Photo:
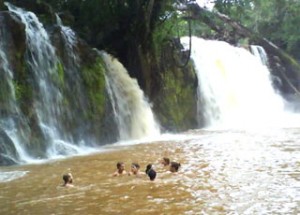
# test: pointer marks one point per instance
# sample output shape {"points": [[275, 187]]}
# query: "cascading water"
{"points": [[259, 52], [56, 83], [235, 89], [72, 64], [48, 100], [72, 79], [132, 112], [10, 115]]}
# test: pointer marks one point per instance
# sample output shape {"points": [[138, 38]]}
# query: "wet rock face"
{"points": [[15, 38], [41, 9], [175, 103], [8, 154], [2, 6], [13, 44]]}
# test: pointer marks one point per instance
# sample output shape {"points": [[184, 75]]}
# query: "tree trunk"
{"points": [[148, 14]]}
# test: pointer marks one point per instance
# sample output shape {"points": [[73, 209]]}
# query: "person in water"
{"points": [[120, 169], [174, 167], [135, 170], [150, 172], [165, 162], [68, 180]]}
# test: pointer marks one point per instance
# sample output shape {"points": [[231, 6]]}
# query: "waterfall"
{"points": [[72, 79], [10, 116], [72, 65], [48, 99], [132, 112], [56, 125], [235, 88], [260, 52]]}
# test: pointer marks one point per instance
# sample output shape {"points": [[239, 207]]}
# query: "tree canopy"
{"points": [[275, 20]]}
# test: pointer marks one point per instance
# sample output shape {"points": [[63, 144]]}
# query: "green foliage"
{"points": [[202, 30], [115, 25], [60, 73], [165, 30], [234, 8], [173, 25], [276, 20], [18, 90], [23, 92]]}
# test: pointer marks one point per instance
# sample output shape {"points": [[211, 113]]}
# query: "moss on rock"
{"points": [[94, 82], [176, 100]]}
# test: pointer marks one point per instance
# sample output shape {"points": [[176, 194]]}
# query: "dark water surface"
{"points": [[223, 172]]}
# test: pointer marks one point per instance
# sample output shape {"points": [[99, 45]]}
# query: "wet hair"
{"points": [[148, 167], [175, 165], [136, 165], [150, 172], [66, 178], [119, 164], [166, 160]]}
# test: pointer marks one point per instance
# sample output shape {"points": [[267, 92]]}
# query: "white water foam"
{"points": [[235, 88], [12, 175], [133, 113]]}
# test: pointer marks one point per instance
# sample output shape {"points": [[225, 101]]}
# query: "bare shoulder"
{"points": [[67, 185]]}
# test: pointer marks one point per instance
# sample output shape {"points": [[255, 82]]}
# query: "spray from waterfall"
{"points": [[235, 88], [132, 112]]}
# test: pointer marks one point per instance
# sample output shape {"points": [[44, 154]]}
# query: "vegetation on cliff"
{"points": [[138, 32]]}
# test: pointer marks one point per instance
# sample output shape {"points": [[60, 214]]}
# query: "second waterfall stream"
{"points": [[133, 113]]}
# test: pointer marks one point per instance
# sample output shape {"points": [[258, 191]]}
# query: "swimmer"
{"points": [[135, 170], [120, 169], [165, 162], [150, 172], [174, 166], [68, 180]]}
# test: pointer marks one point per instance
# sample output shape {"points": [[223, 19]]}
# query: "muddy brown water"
{"points": [[223, 172]]}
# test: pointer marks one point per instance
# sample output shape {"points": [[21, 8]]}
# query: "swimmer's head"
{"points": [[135, 167], [174, 166], [148, 167], [165, 161], [68, 178], [120, 166], [150, 172]]}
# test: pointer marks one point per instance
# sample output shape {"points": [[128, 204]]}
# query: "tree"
{"points": [[276, 20]]}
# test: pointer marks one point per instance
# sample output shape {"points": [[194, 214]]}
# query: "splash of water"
{"points": [[132, 112], [12, 175], [235, 88]]}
